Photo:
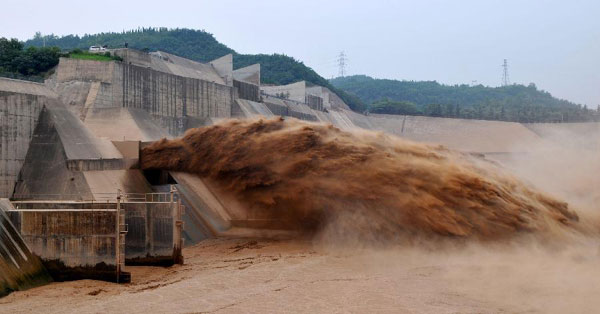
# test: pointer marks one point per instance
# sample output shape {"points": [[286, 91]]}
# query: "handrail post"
{"points": [[121, 232], [118, 238]]}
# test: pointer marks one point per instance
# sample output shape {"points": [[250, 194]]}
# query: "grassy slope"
{"points": [[90, 56]]}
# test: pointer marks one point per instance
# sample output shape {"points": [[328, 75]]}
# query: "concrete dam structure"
{"points": [[71, 150]]}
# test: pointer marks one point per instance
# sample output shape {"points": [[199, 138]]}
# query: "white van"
{"points": [[97, 48]]}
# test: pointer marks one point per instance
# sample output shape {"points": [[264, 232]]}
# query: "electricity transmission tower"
{"points": [[505, 79], [342, 64]]}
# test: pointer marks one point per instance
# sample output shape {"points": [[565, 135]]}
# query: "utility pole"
{"points": [[505, 79], [342, 64]]}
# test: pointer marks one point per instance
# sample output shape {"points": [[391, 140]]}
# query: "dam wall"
{"points": [[247, 91], [584, 135], [290, 108], [20, 106], [465, 135], [169, 98], [19, 268], [474, 136]]}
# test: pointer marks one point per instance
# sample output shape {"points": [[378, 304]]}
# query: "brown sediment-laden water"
{"points": [[315, 177]]}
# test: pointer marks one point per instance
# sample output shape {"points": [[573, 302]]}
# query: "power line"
{"points": [[342, 64], [505, 79]]}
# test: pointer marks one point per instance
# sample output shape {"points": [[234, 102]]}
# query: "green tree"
{"points": [[9, 51], [30, 61], [387, 106]]}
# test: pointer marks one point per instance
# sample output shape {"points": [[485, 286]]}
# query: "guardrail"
{"points": [[105, 197]]}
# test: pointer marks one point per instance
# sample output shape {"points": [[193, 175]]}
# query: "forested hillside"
{"points": [[200, 46], [20, 63], [509, 103]]}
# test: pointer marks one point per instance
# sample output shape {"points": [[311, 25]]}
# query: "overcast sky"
{"points": [[555, 44]]}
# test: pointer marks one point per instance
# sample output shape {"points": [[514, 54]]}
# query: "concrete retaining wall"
{"points": [[84, 70], [72, 243], [172, 98], [152, 238], [153, 232], [247, 90], [314, 102]]}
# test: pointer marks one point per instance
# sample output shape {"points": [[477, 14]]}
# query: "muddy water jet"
{"points": [[371, 184]]}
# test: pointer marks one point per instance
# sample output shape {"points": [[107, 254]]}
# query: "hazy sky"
{"points": [[555, 44]]}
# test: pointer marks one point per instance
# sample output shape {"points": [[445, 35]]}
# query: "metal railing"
{"points": [[104, 197]]}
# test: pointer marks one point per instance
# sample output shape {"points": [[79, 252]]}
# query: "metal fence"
{"points": [[153, 197]]}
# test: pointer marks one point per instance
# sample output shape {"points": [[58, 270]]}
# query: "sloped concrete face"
{"points": [[205, 215], [249, 74], [78, 142], [295, 91], [177, 65], [25, 87], [171, 64], [330, 99], [289, 108], [19, 268], [47, 156], [569, 135], [250, 109], [459, 134], [124, 124], [224, 67]]}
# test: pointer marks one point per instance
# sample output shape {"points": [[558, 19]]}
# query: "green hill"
{"points": [[509, 103], [200, 46]]}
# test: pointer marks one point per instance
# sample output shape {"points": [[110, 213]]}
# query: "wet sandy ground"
{"points": [[267, 276]]}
